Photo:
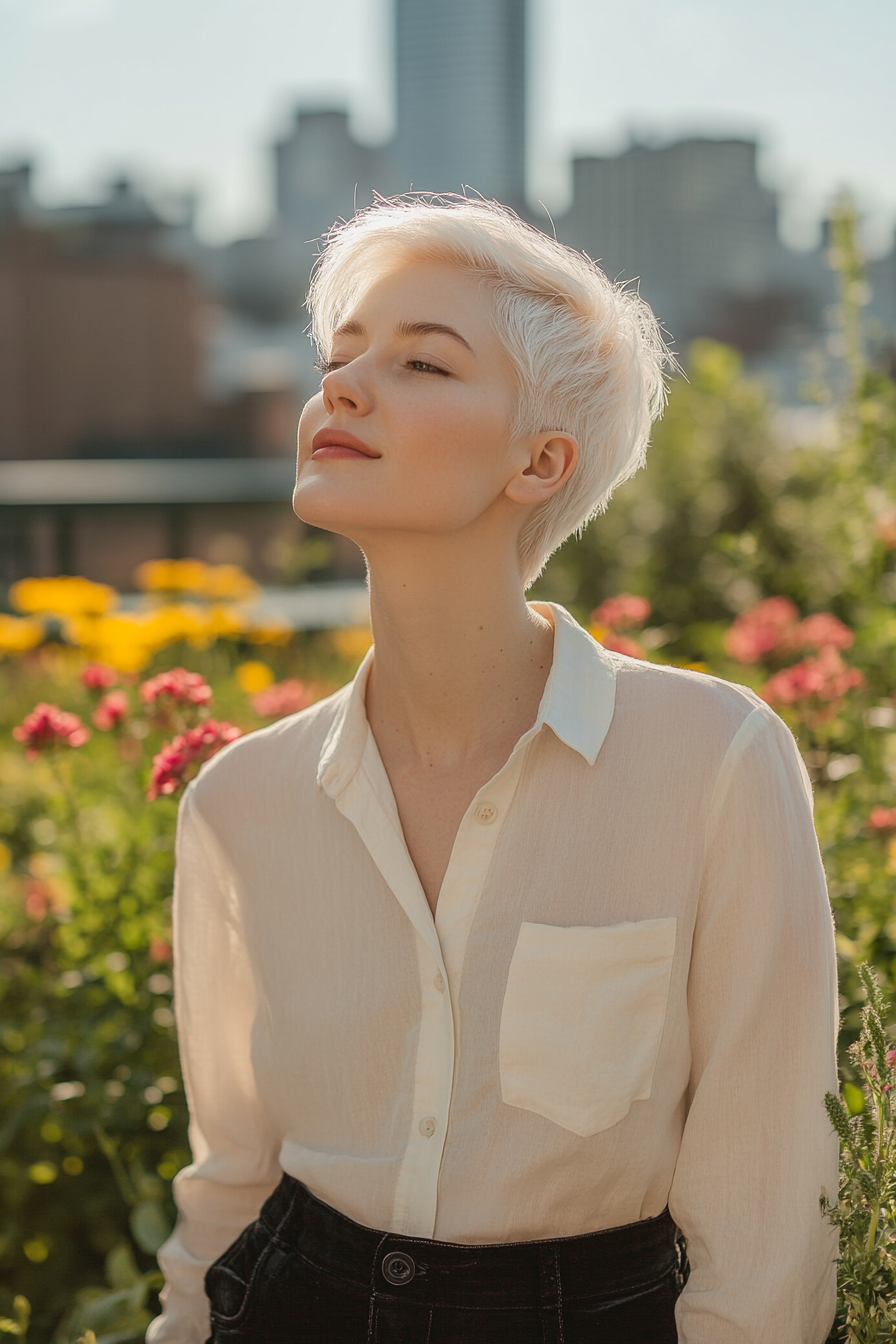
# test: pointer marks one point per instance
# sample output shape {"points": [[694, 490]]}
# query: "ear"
{"points": [[552, 458]]}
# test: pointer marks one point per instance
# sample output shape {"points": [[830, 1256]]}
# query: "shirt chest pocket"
{"points": [[582, 1020]]}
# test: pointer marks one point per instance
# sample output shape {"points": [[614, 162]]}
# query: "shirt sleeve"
{"points": [[762, 1001], [235, 1156]]}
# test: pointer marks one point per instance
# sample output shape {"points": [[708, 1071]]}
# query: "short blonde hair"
{"points": [[588, 353]]}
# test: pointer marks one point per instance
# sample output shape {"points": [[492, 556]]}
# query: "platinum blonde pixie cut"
{"points": [[588, 354]]}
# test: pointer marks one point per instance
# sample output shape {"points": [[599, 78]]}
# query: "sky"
{"points": [[188, 94]]}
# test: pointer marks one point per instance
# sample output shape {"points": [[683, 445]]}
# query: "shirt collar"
{"points": [[577, 704]]}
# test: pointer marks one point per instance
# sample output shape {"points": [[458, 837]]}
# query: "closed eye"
{"points": [[421, 366], [325, 366]]}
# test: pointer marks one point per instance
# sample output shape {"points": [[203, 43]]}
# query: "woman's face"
{"points": [[410, 431]]}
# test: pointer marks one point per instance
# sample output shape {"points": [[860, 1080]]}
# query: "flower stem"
{"points": [[872, 1229]]}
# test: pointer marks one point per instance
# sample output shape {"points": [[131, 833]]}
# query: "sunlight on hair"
{"points": [[588, 354]]}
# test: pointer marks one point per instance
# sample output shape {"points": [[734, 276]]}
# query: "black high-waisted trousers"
{"points": [[305, 1274]]}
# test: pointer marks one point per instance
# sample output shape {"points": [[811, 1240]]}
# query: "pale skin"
{"points": [[435, 491]]}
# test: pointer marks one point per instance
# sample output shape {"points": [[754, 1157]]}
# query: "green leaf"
{"points": [[150, 1227], [114, 1317], [121, 1271], [854, 1098]]}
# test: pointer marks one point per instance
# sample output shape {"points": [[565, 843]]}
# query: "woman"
{"points": [[511, 961]]}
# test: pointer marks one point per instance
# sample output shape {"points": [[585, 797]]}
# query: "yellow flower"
{"points": [[173, 622], [229, 582], [352, 642], [19, 633], [253, 677], [124, 657], [225, 622], [172, 576], [63, 596], [128, 640], [122, 641]]}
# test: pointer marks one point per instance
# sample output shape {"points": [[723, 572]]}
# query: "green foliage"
{"points": [[729, 510], [865, 1210], [115, 1314], [18, 1323], [93, 1119], [87, 1025], [689, 530]]}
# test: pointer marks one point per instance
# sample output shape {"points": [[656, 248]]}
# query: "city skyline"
{"points": [[808, 82]]}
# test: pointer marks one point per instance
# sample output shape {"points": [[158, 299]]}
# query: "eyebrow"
{"points": [[431, 329], [352, 328]]}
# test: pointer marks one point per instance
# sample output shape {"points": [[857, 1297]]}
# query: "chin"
{"points": [[318, 504], [367, 514]]}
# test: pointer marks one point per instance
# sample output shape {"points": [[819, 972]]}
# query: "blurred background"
{"points": [[166, 167]]}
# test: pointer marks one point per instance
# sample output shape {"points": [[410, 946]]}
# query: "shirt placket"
{"points": [[367, 801], [471, 857], [416, 1195]]}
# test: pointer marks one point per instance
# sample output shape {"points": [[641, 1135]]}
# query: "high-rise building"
{"points": [[461, 96], [694, 225], [322, 173]]}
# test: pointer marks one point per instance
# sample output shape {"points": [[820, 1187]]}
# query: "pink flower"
{"points": [[622, 644], [98, 677], [891, 1058], [621, 612], [761, 630], [179, 760], [823, 630], [49, 726], [177, 685], [771, 627], [110, 711], [159, 950], [882, 818], [44, 896], [284, 697], [825, 678]]}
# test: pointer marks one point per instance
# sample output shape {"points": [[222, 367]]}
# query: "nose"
{"points": [[344, 388]]}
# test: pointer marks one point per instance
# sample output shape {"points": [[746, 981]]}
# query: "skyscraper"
{"points": [[461, 96]]}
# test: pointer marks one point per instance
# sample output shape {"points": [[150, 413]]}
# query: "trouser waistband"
{"points": [[614, 1262]]}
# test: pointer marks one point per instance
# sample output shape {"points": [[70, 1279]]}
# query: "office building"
{"points": [[460, 89]]}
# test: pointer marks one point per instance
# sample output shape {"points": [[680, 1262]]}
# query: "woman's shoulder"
{"points": [[279, 755], [684, 685], [692, 704]]}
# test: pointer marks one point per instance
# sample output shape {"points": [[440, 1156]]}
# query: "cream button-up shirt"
{"points": [[627, 997]]}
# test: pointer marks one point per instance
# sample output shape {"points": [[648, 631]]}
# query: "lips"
{"points": [[338, 443]]}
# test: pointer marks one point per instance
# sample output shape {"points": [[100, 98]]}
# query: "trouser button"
{"points": [[398, 1268]]}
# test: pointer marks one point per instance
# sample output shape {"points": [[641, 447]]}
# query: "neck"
{"points": [[460, 658]]}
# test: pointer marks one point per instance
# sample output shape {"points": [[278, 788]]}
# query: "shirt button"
{"points": [[439, 982], [486, 813], [427, 1126]]}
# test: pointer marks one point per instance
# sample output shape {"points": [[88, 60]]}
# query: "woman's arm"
{"points": [[235, 1157], [762, 999]]}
